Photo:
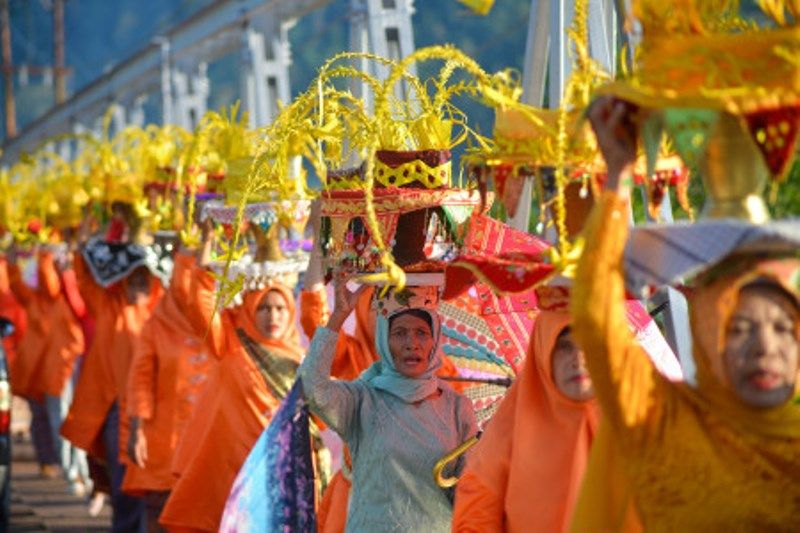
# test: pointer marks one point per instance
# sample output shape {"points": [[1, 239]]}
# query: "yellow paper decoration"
{"points": [[412, 172], [481, 7], [703, 54]]}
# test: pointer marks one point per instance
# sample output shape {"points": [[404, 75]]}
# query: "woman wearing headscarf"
{"points": [[94, 422], [354, 354], [168, 373], [47, 356], [257, 345], [397, 418], [525, 472], [721, 455]]}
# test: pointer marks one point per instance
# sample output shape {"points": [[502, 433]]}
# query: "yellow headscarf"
{"points": [[710, 308], [606, 502]]}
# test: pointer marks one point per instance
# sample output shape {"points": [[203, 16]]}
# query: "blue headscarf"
{"points": [[384, 376]]}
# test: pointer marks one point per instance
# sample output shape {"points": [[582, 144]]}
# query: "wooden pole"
{"points": [[8, 71]]}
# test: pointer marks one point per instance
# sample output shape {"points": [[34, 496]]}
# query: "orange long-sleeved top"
{"points": [[313, 311], [54, 338], [230, 416], [168, 373], [104, 374], [11, 309], [688, 462], [526, 471]]}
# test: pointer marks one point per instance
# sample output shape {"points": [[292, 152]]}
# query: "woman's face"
{"points": [[411, 344], [569, 369], [272, 315], [761, 347]]}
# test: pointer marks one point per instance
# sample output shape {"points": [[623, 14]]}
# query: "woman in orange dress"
{"points": [[525, 472], [47, 352], [94, 423], [168, 373], [55, 340], [257, 345]]}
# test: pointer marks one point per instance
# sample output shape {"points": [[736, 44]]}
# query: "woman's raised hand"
{"points": [[315, 218], [314, 278], [615, 123], [345, 299]]}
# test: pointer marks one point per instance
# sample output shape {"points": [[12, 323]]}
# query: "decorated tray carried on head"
{"points": [[124, 182], [401, 210], [421, 227], [274, 248], [133, 186], [131, 179], [558, 151], [269, 217], [527, 145], [725, 90], [31, 208]]}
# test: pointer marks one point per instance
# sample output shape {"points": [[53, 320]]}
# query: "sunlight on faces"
{"points": [[411, 344], [569, 369], [761, 346], [272, 315]]}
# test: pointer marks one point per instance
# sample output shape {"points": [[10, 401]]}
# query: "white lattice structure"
{"points": [[173, 69]]}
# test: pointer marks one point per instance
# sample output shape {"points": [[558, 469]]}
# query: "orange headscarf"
{"points": [[244, 317], [535, 449], [241, 316]]}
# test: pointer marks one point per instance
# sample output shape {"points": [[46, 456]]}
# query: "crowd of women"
{"points": [[147, 388], [188, 392]]}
